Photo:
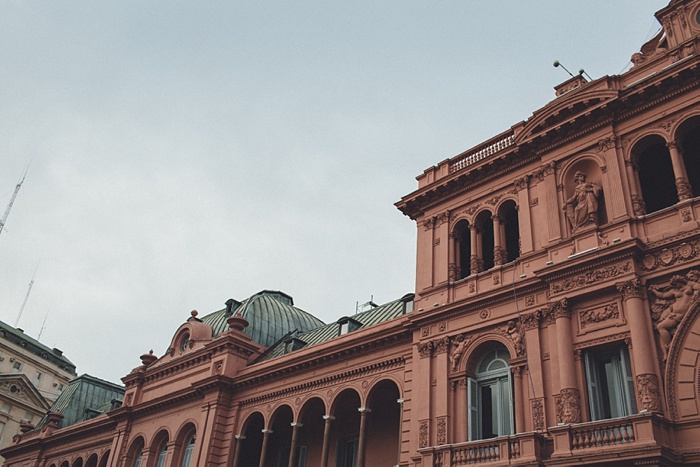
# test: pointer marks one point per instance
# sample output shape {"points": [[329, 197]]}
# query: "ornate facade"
{"points": [[555, 320]]}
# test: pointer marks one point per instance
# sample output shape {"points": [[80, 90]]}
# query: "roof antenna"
{"points": [[557, 64]]}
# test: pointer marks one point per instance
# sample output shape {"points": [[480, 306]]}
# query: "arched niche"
{"points": [[584, 199]]}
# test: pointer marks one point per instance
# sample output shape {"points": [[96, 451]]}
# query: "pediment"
{"points": [[566, 109], [20, 389]]}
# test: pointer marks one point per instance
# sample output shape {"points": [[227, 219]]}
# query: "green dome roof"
{"points": [[271, 314]]}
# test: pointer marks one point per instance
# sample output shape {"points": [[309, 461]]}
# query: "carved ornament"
{"points": [[593, 317], [591, 277], [648, 392], [521, 183], [669, 256], [443, 217], [429, 223], [605, 144], [630, 289], [423, 433], [442, 430], [494, 199], [425, 349], [530, 320], [460, 343], [538, 420], [684, 189], [471, 210], [441, 345], [568, 404], [560, 309], [672, 303]]}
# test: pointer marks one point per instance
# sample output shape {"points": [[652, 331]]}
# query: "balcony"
{"points": [[517, 449], [639, 436]]}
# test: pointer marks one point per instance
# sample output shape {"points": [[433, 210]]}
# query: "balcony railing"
{"points": [[483, 151], [630, 437], [516, 449]]}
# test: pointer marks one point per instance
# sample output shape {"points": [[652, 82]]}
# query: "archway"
{"points": [[384, 424], [346, 429], [251, 446], [311, 436], [655, 171]]}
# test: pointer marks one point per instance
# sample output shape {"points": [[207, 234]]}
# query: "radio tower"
{"points": [[12, 200]]}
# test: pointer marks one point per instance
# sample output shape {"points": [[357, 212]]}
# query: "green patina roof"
{"points": [[18, 337], [84, 395], [326, 332], [271, 314]]}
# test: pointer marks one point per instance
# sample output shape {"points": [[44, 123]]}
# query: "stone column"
{"points": [[642, 337], [454, 273], [569, 402], [295, 442], [638, 206], [682, 185], [551, 205], [519, 399], [524, 217], [263, 450], [474, 260], [363, 436], [326, 439], [498, 252], [237, 449], [398, 454]]}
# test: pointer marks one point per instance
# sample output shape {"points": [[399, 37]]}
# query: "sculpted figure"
{"points": [[513, 331], [582, 208], [678, 297], [457, 353]]}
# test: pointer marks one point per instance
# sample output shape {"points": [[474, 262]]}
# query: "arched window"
{"points": [[688, 136], [163, 454], [490, 396], [187, 453], [510, 231], [656, 178], [463, 250], [484, 225], [139, 458]]}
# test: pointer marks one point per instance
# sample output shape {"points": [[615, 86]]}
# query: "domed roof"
{"points": [[271, 314]]}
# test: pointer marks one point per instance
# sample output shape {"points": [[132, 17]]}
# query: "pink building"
{"points": [[555, 320]]}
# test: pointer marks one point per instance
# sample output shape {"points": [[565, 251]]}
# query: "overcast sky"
{"points": [[183, 153]]}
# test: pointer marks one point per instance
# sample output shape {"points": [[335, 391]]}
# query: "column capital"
{"points": [[239, 437], [400, 401], [296, 424], [630, 289], [328, 418], [560, 309], [364, 410], [265, 431]]}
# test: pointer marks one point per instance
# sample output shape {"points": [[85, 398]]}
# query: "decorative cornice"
{"points": [[325, 382]]}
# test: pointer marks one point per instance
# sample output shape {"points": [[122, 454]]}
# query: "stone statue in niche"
{"points": [[675, 300], [582, 208]]}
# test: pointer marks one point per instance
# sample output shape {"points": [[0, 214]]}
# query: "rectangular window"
{"points": [[28, 416], [609, 383], [490, 407], [2, 428], [301, 459], [38, 376], [5, 408], [347, 453], [17, 366]]}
